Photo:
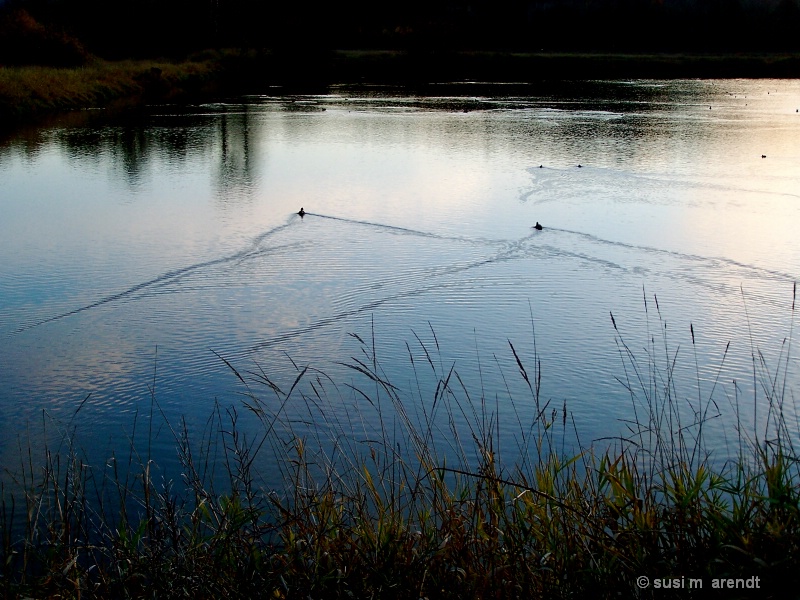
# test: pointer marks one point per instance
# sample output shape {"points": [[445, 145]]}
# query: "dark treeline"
{"points": [[139, 28]]}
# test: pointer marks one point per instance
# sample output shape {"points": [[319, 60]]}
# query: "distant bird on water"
{"points": [[537, 226], [301, 212]]}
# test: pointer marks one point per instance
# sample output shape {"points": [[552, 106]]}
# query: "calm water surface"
{"points": [[133, 255]]}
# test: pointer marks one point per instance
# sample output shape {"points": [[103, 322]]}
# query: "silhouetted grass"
{"points": [[411, 497]]}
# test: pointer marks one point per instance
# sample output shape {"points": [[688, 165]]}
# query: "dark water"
{"points": [[135, 256]]}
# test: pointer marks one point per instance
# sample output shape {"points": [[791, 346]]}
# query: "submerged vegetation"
{"points": [[413, 496]]}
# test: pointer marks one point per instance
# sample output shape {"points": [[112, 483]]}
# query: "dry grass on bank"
{"points": [[33, 90]]}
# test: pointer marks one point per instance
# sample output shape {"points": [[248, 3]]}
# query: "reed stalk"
{"points": [[412, 496]]}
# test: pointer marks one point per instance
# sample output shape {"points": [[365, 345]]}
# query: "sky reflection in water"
{"points": [[132, 252]]}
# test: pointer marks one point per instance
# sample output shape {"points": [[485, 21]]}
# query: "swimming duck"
{"points": [[301, 212], [537, 226]]}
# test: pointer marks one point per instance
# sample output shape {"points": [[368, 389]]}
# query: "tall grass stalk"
{"points": [[412, 495]]}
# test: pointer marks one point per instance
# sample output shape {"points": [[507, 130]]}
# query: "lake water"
{"points": [[137, 254]]}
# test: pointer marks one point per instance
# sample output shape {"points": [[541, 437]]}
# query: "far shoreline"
{"points": [[29, 93], [497, 65]]}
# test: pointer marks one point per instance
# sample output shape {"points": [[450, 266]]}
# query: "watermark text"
{"points": [[699, 583]]}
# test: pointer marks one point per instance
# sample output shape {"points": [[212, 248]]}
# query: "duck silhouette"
{"points": [[301, 212], [537, 226]]}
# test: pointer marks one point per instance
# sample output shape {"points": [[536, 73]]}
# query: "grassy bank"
{"points": [[370, 506], [27, 92]]}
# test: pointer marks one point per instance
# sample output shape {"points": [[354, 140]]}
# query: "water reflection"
{"points": [[237, 174], [135, 147], [137, 246]]}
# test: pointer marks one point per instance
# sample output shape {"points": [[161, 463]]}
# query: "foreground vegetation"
{"points": [[377, 511]]}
